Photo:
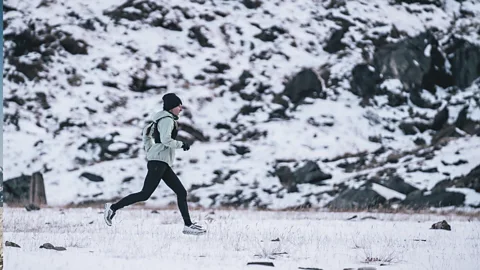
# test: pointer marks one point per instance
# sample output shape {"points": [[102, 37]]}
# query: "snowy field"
{"points": [[140, 239]]}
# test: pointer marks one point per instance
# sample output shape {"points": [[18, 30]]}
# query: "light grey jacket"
{"points": [[165, 150]]}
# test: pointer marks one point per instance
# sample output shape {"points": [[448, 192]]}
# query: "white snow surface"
{"points": [[36, 146], [141, 239]]}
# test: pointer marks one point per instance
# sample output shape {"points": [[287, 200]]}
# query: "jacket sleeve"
{"points": [[165, 128]]}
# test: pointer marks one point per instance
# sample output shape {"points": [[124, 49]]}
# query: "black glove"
{"points": [[185, 146]]}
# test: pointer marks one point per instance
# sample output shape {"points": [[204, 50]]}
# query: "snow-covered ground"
{"points": [[140, 239]]}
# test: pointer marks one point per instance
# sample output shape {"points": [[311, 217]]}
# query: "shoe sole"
{"points": [[105, 214], [192, 233]]}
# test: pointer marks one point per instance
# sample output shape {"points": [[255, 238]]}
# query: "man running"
{"points": [[160, 145]]}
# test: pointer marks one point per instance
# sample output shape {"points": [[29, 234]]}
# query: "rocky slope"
{"points": [[344, 104]]}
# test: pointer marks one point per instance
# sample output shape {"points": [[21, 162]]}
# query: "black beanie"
{"points": [[170, 101]]}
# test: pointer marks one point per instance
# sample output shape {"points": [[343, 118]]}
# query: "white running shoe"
{"points": [[194, 229], [108, 214]]}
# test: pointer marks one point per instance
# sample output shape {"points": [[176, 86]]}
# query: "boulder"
{"points": [[365, 79], [356, 199], [199, 34], [334, 43], [416, 62], [439, 198], [16, 190], [310, 173], [464, 58], [471, 180], [304, 84], [442, 225], [396, 183]]}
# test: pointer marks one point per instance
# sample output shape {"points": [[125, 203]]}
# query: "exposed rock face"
{"points": [[16, 190], [308, 173], [356, 199], [418, 200], [304, 84], [465, 60]]}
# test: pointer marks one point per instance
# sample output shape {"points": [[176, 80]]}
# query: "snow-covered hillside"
{"points": [[289, 103]]}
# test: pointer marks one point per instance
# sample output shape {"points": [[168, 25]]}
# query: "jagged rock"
{"points": [[194, 132], [364, 81], [334, 43], [440, 119], [261, 263], [142, 10], [50, 246], [105, 149], [243, 81], [456, 163], [309, 173], [16, 190], [217, 68], [442, 225], [239, 198], [356, 199], [33, 49], [465, 61], [11, 244], [304, 84], [287, 178], [466, 124], [252, 4], [32, 207], [448, 131], [396, 183], [438, 3], [92, 177], [417, 199], [139, 82], [471, 180], [417, 99], [412, 128], [270, 34], [74, 46], [197, 33], [267, 55], [412, 62]]}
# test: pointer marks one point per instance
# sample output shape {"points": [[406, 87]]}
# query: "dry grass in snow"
{"points": [[141, 239]]}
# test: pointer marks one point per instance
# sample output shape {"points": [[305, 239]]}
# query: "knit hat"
{"points": [[170, 101]]}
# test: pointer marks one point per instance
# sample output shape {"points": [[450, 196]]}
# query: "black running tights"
{"points": [[158, 170]]}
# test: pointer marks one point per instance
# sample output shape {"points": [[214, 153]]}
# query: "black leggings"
{"points": [[158, 170]]}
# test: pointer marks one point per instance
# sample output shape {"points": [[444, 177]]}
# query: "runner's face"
{"points": [[177, 110]]}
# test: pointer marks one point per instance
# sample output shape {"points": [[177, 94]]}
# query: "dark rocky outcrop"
{"points": [[302, 85], [440, 119], [334, 43], [438, 3], [34, 49], [270, 34], [442, 225], [365, 80], [252, 4], [439, 198], [198, 33], [16, 190], [396, 183], [464, 58], [356, 199], [92, 177], [466, 124], [309, 173]]}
